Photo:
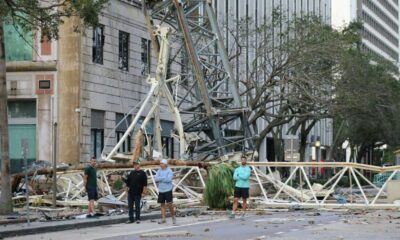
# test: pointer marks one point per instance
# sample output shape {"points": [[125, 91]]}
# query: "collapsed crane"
{"points": [[210, 119]]}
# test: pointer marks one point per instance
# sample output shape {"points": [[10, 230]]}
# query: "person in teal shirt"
{"points": [[242, 186]]}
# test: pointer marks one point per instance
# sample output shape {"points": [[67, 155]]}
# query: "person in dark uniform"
{"points": [[136, 183], [90, 183]]}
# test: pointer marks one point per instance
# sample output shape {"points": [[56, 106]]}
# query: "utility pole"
{"points": [[54, 187], [24, 147]]}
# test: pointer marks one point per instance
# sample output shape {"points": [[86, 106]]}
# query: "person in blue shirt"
{"points": [[163, 179], [242, 186]]}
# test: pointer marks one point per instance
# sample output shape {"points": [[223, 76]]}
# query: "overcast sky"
{"points": [[342, 11]]}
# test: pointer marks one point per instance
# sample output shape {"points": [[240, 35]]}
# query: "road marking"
{"points": [[158, 229], [272, 220], [294, 230], [260, 237], [278, 233]]}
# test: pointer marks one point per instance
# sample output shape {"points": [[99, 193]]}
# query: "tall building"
{"points": [[380, 33], [251, 14]]}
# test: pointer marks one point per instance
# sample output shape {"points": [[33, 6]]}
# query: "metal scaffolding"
{"points": [[206, 94]]}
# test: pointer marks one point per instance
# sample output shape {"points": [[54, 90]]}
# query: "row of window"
{"points": [[378, 27], [378, 43], [389, 7], [381, 15], [97, 135], [123, 50], [368, 50]]}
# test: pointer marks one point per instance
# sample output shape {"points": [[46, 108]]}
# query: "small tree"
{"points": [[292, 75], [31, 15], [368, 102], [219, 186]]}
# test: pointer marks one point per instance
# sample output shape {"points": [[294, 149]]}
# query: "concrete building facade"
{"points": [[380, 33], [85, 83]]}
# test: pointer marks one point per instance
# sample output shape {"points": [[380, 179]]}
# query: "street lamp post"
{"points": [[317, 146]]}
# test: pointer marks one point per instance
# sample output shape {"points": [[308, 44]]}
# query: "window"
{"points": [[17, 43], [374, 8], [123, 57], [167, 142], [120, 131], [378, 27], [98, 44], [22, 109], [379, 43], [184, 62], [97, 138], [146, 56], [45, 46], [97, 133], [168, 146]]}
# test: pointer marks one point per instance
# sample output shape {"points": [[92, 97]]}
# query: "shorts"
{"points": [[241, 192], [165, 197], [92, 193]]}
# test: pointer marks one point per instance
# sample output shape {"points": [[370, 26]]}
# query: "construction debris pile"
{"points": [[268, 189], [188, 186]]}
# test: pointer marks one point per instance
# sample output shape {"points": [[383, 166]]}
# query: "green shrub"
{"points": [[219, 186]]}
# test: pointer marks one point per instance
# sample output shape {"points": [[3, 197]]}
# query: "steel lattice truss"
{"points": [[207, 93]]}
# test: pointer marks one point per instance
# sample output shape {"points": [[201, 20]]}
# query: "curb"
{"points": [[68, 225], [45, 227]]}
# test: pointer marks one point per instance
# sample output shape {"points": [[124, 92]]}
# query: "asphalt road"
{"points": [[252, 227], [274, 225]]}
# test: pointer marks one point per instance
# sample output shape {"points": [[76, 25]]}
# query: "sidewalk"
{"points": [[20, 229]]}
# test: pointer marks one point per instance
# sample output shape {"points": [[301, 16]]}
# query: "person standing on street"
{"points": [[136, 183], [163, 179], [242, 186], [90, 184]]}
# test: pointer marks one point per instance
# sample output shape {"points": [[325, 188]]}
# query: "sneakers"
{"points": [[162, 221], [232, 215], [129, 221], [137, 221]]}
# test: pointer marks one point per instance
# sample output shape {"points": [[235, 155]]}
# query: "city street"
{"points": [[272, 225], [287, 109]]}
